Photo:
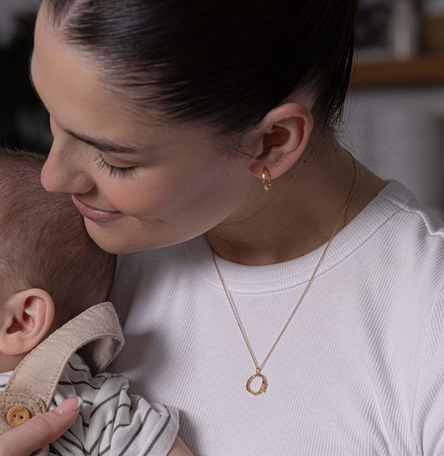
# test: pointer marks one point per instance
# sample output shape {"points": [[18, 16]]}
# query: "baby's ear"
{"points": [[26, 318]]}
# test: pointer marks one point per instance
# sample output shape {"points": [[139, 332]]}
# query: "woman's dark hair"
{"points": [[225, 63]]}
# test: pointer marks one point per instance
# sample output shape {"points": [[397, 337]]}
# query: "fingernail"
{"points": [[68, 406]]}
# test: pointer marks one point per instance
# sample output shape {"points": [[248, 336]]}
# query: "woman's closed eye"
{"points": [[102, 164]]}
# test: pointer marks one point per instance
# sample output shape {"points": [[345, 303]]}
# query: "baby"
{"points": [[52, 276]]}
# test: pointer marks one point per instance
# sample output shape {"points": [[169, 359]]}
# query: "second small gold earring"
{"points": [[266, 182]]}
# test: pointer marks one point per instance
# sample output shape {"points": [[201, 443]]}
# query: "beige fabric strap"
{"points": [[96, 332], [34, 405], [40, 371]]}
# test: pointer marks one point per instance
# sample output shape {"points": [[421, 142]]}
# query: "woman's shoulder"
{"points": [[410, 216], [147, 275], [412, 240], [150, 266]]}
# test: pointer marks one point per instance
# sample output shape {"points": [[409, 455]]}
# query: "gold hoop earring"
{"points": [[266, 182]]}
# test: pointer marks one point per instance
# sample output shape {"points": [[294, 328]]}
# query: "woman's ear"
{"points": [[26, 318], [281, 138]]}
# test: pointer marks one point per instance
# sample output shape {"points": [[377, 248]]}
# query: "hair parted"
{"points": [[224, 63], [44, 243]]}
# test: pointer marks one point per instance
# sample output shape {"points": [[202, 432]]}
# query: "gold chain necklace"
{"points": [[259, 367]]}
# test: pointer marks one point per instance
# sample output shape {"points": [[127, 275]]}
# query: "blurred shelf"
{"points": [[420, 71]]}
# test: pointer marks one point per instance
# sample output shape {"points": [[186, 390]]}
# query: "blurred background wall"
{"points": [[23, 120], [399, 134], [9, 9], [395, 110]]}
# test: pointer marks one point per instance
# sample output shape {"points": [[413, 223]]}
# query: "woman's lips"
{"points": [[94, 214]]}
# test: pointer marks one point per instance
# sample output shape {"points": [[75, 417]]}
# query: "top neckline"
{"points": [[239, 278]]}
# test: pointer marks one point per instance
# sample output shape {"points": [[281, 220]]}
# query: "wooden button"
{"points": [[18, 415]]}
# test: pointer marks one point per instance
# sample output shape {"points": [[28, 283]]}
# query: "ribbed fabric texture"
{"points": [[359, 371]]}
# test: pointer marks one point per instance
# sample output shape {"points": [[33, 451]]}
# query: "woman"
{"points": [[202, 137]]}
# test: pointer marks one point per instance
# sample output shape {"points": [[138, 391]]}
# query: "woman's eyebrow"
{"points": [[102, 145]]}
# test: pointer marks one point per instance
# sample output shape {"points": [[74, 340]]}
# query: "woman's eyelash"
{"points": [[113, 170]]}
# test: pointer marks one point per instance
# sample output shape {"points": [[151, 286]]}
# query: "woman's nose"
{"points": [[64, 173]]}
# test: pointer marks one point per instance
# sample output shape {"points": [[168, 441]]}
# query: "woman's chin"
{"points": [[111, 239], [128, 235]]}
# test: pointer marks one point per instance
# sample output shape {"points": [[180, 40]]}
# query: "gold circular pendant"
{"points": [[263, 387]]}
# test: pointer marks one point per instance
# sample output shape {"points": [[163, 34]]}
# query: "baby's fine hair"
{"points": [[44, 243]]}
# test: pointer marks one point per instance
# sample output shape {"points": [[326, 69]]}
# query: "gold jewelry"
{"points": [[265, 182], [259, 367]]}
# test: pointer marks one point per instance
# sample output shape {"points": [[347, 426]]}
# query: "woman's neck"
{"points": [[300, 211]]}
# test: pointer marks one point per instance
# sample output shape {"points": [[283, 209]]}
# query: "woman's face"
{"points": [[138, 184]]}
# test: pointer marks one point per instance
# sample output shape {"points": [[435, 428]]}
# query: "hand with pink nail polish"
{"points": [[40, 430]]}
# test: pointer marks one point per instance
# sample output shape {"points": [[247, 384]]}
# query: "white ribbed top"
{"points": [[359, 371]]}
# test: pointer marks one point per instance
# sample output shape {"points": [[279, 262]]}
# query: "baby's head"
{"points": [[50, 269]]}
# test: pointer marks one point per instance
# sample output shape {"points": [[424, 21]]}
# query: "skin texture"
{"points": [[40, 430], [26, 319], [180, 185]]}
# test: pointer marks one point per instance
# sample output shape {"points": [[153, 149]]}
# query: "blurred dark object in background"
{"points": [[373, 24], [389, 29], [24, 122]]}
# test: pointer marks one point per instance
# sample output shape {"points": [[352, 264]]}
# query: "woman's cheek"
{"points": [[140, 199]]}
